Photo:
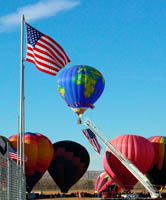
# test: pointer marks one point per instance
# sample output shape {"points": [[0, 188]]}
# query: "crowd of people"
{"points": [[31, 196], [103, 195]]}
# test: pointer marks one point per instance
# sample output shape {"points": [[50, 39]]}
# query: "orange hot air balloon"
{"points": [[39, 153]]}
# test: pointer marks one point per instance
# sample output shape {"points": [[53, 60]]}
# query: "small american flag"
{"points": [[44, 52], [92, 139], [13, 154]]}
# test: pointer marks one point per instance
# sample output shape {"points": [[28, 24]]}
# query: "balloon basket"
{"points": [[79, 121]]}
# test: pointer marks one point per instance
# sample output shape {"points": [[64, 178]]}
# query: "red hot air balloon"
{"points": [[70, 162], [39, 152], [104, 182], [157, 172], [137, 149]]}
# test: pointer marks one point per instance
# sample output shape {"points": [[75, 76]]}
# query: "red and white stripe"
{"points": [[92, 139], [48, 55]]}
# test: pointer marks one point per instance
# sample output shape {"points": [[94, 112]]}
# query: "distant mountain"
{"points": [[91, 175]]}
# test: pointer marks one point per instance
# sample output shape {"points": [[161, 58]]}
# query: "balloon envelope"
{"points": [[39, 152], [70, 162], [104, 182], [80, 86], [137, 149], [4, 142], [157, 172]]}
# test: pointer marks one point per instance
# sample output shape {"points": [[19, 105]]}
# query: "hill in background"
{"points": [[86, 182]]}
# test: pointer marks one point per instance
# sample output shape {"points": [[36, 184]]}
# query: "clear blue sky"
{"points": [[124, 40]]}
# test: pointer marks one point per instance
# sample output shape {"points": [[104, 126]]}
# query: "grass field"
{"points": [[68, 198]]}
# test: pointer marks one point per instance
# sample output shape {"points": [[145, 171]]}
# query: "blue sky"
{"points": [[124, 40]]}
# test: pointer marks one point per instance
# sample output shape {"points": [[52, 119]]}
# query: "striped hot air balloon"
{"points": [[104, 182], [39, 152]]}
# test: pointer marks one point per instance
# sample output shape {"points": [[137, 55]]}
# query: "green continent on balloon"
{"points": [[61, 91], [88, 77]]}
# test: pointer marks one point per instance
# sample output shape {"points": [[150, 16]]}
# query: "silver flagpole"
{"points": [[22, 126]]}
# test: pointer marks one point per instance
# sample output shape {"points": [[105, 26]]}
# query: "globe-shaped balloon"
{"points": [[80, 86], [157, 172], [69, 164], [135, 148], [39, 152]]}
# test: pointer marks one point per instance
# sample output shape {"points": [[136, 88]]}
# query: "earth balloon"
{"points": [[80, 86]]}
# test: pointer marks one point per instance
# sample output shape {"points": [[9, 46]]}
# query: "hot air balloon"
{"points": [[70, 162], [39, 152], [137, 149], [4, 142], [80, 86], [157, 172], [104, 182]]}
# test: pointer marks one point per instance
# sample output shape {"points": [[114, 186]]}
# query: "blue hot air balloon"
{"points": [[80, 86]]}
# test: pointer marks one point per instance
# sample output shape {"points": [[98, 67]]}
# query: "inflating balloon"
{"points": [[157, 172], [104, 182], [80, 86], [70, 162], [39, 153], [137, 149]]}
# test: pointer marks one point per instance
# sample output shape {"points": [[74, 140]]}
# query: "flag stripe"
{"points": [[55, 48], [44, 52], [44, 60], [43, 65], [92, 139], [13, 154], [40, 64], [58, 47], [41, 60], [31, 54], [49, 51], [41, 68]]}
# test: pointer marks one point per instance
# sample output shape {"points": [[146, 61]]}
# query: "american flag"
{"points": [[92, 139], [13, 154], [44, 52]]}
